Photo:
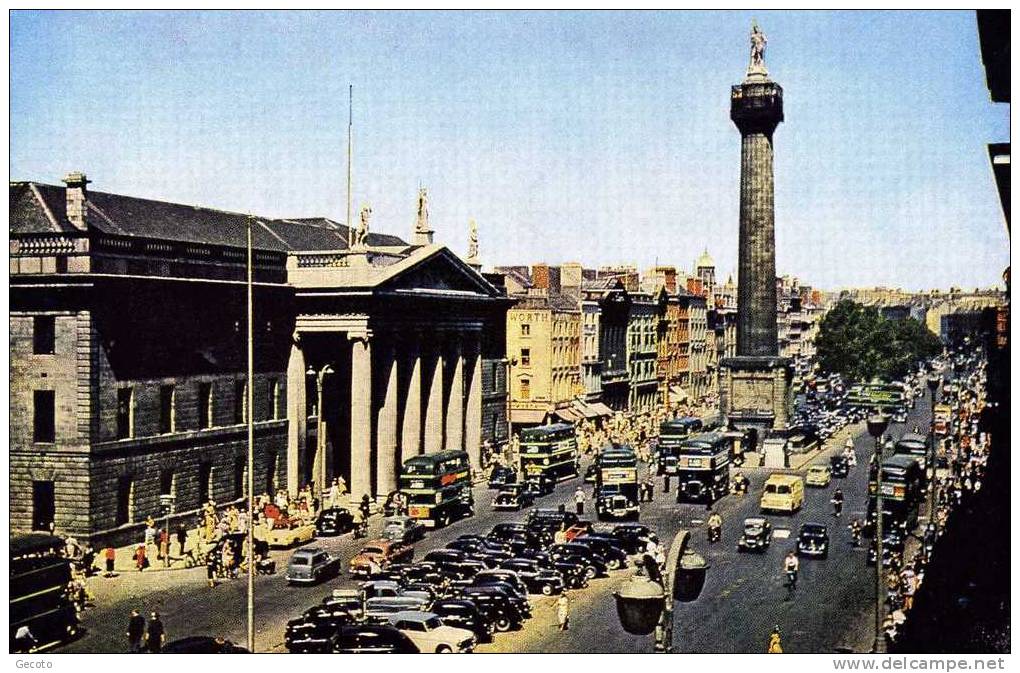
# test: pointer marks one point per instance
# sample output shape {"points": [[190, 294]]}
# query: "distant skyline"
{"points": [[597, 137]]}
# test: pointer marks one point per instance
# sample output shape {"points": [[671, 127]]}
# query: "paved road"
{"points": [[743, 596]]}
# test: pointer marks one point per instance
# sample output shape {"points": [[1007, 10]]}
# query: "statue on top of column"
{"points": [[361, 233], [472, 240], [758, 42], [422, 225]]}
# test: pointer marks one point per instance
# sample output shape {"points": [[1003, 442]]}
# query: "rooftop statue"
{"points": [[758, 42]]}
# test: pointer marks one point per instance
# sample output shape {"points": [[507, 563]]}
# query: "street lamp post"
{"points": [[877, 426], [645, 604], [933, 387], [320, 439]]}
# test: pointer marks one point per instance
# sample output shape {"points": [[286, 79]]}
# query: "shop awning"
{"points": [[601, 409], [585, 409], [569, 415], [527, 416]]}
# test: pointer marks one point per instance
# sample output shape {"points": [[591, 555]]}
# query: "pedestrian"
{"points": [[365, 507], [135, 631], [156, 635], [579, 500], [665, 483], [150, 535], [563, 612], [210, 570], [182, 537], [837, 503], [164, 547], [110, 554], [775, 642], [141, 562]]}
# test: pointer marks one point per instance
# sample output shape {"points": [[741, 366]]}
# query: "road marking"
{"points": [[781, 533]]}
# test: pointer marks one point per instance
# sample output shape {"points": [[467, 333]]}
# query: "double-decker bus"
{"points": [[40, 574], [914, 445], [703, 468], [616, 484], [671, 435], [943, 419], [549, 450], [437, 487], [877, 396], [902, 492]]}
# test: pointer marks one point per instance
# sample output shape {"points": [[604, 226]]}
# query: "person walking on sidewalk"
{"points": [[141, 562], [579, 500], [135, 631], [156, 636], [110, 554], [563, 612]]}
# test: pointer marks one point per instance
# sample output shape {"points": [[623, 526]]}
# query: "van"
{"points": [[783, 493]]}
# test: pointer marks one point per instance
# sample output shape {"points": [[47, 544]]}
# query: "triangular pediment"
{"points": [[439, 271]]}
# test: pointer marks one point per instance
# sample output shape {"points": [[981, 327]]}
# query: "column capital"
{"points": [[365, 336]]}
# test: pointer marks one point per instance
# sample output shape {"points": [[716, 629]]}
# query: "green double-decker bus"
{"points": [[438, 487], [877, 396], [549, 450]]}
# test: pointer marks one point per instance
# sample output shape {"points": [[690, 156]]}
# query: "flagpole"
{"points": [[350, 155], [251, 451]]}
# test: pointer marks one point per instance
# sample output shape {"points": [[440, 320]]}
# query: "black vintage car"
{"points": [[615, 557], [536, 578], [513, 497], [334, 521], [572, 570], [813, 540], [495, 605], [464, 614], [757, 535], [501, 476], [635, 537], [892, 544], [368, 639], [594, 565], [839, 467], [202, 645]]}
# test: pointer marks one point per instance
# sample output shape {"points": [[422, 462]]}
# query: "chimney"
{"points": [[540, 276], [77, 212]]}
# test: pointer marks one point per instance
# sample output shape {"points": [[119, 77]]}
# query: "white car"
{"points": [[427, 631]]}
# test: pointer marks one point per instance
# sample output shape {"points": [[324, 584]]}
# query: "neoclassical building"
{"points": [[128, 356]]}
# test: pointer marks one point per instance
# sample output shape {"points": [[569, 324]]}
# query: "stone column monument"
{"points": [[755, 386]]}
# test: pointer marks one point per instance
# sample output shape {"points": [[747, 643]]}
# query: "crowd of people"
{"points": [[964, 453]]}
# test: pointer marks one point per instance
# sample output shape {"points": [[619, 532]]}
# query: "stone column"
{"points": [[473, 413], [296, 415], [455, 405], [386, 424], [410, 436], [361, 415], [433, 439]]}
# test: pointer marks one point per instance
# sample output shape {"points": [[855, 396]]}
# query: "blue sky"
{"points": [[597, 137]]}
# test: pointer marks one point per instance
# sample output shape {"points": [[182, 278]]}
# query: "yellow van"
{"points": [[783, 493]]}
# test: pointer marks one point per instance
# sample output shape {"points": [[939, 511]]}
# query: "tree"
{"points": [[856, 342]]}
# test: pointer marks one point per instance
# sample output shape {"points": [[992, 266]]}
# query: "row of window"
{"points": [[44, 409]]}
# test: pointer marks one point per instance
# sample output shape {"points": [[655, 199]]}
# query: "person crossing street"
{"points": [[579, 500]]}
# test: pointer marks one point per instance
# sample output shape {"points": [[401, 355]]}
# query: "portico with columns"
{"points": [[401, 336]]}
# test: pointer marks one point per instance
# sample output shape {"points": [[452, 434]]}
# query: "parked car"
{"points": [[813, 540], [613, 557], [380, 553], [464, 614], [403, 529], [334, 521], [373, 639], [537, 579], [756, 536], [635, 537], [379, 610], [380, 589], [593, 564], [428, 632], [550, 520], [497, 606], [504, 576], [310, 565], [573, 570], [818, 475], [513, 497]]}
